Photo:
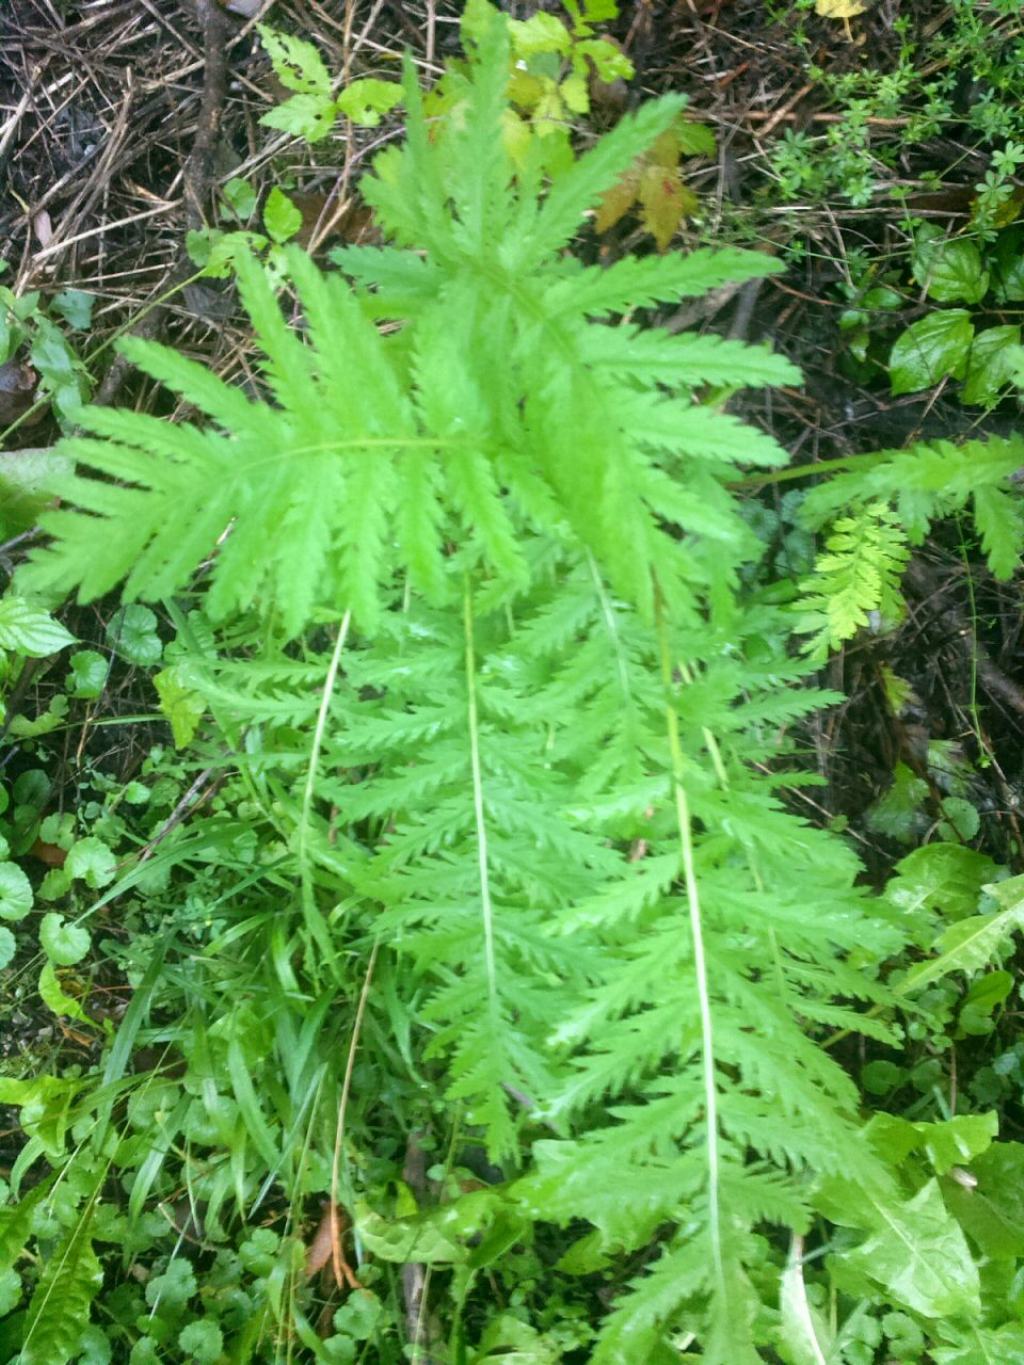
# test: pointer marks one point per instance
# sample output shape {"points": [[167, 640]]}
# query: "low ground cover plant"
{"points": [[465, 985]]}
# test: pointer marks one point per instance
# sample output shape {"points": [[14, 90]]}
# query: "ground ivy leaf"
{"points": [[202, 1341], [132, 633], [929, 350], [15, 892], [91, 861], [88, 674], [8, 947], [64, 944]]}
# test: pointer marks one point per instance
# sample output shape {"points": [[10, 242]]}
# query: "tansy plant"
{"points": [[482, 652]]}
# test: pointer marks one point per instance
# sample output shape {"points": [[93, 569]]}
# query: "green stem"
{"points": [[486, 905], [685, 827], [315, 921]]}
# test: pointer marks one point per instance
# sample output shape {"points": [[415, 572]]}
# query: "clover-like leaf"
{"points": [[64, 944]]}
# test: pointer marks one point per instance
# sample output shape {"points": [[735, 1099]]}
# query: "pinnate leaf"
{"points": [[59, 1309]]}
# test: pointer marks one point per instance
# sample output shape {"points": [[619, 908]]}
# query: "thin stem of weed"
{"points": [[700, 968]]}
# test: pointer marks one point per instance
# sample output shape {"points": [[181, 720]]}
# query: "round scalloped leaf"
{"points": [[64, 944], [88, 674], [15, 892], [91, 861], [202, 1340], [10, 1291], [8, 946], [132, 633]]}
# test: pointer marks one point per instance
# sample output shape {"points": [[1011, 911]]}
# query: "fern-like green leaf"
{"points": [[58, 1311]]}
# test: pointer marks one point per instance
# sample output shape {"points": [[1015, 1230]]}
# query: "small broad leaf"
{"points": [[15, 892], [8, 947], [896, 813], [951, 1142], [310, 117], [406, 1239], [297, 64], [202, 1341], [27, 478], [982, 1346], [280, 216], [951, 271], [664, 201], [695, 139], [240, 197], [962, 816], [929, 350], [540, 33], [10, 1291], [957, 1141], [616, 202], [30, 630], [971, 944], [91, 861], [991, 1211], [132, 633], [364, 101], [995, 356], [75, 307], [919, 1256], [88, 675], [54, 997], [943, 878], [182, 706], [64, 944]]}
